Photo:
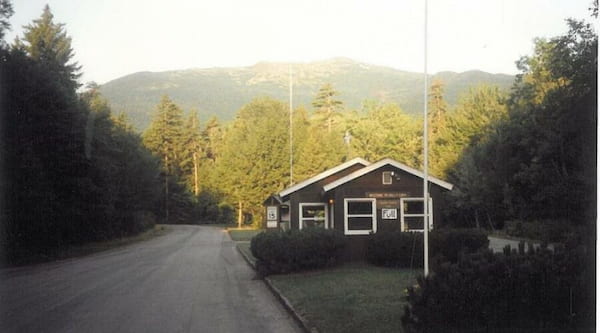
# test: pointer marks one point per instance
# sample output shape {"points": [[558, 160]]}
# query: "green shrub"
{"points": [[450, 243], [538, 291], [225, 214], [396, 249], [296, 250], [405, 249]]}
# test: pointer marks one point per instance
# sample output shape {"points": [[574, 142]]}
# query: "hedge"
{"points": [[538, 291], [405, 249], [296, 250]]}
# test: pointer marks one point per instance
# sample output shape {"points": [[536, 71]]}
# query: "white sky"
{"points": [[112, 38]]}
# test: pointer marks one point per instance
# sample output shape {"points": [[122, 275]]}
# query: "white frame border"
{"points": [[301, 218], [373, 216], [402, 215]]}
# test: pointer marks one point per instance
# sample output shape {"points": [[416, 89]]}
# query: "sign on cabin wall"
{"points": [[386, 195], [389, 213], [272, 216]]}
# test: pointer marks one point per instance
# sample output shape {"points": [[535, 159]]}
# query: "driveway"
{"points": [[497, 244], [189, 280]]}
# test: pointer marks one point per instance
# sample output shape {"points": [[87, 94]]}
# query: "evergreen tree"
{"points": [[48, 43], [474, 117], [437, 118], [6, 11], [192, 147], [327, 105], [540, 162], [163, 138]]}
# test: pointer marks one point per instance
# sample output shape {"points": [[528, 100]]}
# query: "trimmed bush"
{"points": [[405, 249], [396, 249], [450, 243], [296, 250], [539, 291]]}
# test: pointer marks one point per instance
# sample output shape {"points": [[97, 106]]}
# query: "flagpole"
{"points": [[425, 159], [291, 133]]}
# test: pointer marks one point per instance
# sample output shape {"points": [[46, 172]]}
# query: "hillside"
{"points": [[222, 91]]}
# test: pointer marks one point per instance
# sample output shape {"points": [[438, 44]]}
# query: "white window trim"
{"points": [[301, 218], [403, 215], [373, 216], [391, 174]]}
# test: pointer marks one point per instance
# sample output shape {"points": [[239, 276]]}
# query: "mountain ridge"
{"points": [[222, 91]]}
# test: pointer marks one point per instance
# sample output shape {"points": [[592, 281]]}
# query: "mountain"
{"points": [[223, 91]]}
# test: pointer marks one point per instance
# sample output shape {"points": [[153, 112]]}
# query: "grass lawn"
{"points": [[351, 298], [243, 235], [244, 247]]}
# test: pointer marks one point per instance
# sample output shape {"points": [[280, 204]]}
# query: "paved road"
{"points": [[190, 280], [497, 244]]}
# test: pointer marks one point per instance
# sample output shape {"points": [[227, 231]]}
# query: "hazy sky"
{"points": [[112, 38]]}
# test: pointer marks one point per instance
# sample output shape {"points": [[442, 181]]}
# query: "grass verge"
{"points": [[351, 298], [244, 247], [243, 235]]}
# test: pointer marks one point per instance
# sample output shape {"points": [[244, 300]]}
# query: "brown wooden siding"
{"points": [[314, 193]]}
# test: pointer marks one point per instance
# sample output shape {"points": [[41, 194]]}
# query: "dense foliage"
{"points": [[296, 250], [538, 291], [539, 162], [72, 172], [405, 249]]}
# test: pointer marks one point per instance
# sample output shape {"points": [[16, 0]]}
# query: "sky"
{"points": [[113, 38]]}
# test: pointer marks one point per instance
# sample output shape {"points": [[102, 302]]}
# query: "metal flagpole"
{"points": [[291, 134], [425, 159]]}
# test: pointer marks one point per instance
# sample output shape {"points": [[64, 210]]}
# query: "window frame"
{"points": [[403, 215], [391, 177], [301, 218], [373, 216]]}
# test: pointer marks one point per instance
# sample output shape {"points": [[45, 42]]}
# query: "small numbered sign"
{"points": [[272, 213]]}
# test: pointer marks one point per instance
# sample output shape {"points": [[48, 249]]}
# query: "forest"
{"points": [[75, 172]]}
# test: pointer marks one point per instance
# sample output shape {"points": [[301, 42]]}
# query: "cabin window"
{"points": [[313, 215], [412, 214], [360, 216], [387, 177]]}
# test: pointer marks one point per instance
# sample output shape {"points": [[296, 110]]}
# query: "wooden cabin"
{"points": [[359, 198]]}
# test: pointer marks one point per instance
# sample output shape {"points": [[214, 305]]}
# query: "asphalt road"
{"points": [[190, 280]]}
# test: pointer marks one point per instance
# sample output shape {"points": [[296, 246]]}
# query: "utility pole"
{"points": [[425, 158], [291, 133]]}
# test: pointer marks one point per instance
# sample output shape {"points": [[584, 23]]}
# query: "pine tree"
{"points": [[437, 118], [6, 11], [163, 138], [327, 105], [192, 147], [48, 43]]}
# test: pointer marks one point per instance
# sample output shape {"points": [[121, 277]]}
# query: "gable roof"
{"points": [[375, 166], [323, 175]]}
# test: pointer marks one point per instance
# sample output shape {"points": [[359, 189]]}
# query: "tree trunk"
{"points": [[240, 214], [166, 189], [196, 187]]}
